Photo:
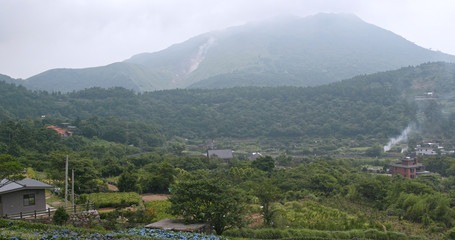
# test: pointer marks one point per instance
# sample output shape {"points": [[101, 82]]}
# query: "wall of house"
{"points": [[405, 172], [13, 203]]}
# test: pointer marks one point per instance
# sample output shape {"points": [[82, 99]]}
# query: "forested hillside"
{"points": [[379, 105]]}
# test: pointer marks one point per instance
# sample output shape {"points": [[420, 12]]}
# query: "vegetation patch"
{"points": [[115, 200], [272, 233], [311, 215], [159, 209]]}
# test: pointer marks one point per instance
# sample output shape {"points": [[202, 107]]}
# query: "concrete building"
{"points": [[26, 195]]}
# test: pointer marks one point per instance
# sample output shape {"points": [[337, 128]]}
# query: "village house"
{"points": [[255, 155], [26, 195], [408, 168], [431, 149], [225, 154], [64, 133]]}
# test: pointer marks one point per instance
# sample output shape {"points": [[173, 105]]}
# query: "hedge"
{"points": [[268, 233], [115, 199]]}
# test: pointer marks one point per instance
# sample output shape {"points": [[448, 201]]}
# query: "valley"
{"points": [[317, 127]]}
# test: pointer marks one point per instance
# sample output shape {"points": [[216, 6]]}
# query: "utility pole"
{"points": [[66, 182], [72, 190]]}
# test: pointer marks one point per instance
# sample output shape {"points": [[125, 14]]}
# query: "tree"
{"points": [[267, 193], [10, 168], [85, 174], [128, 181], [284, 160], [176, 148], [324, 183], [266, 164], [208, 200], [374, 151], [160, 180]]}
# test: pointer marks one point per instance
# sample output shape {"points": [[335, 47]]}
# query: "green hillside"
{"points": [[379, 105], [130, 76], [291, 51], [7, 79]]}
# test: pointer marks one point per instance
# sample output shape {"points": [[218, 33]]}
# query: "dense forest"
{"points": [[379, 105]]}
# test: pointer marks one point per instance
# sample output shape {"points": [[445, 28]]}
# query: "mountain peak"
{"points": [[286, 50]]}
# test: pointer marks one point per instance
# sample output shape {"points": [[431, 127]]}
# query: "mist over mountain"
{"points": [[287, 51]]}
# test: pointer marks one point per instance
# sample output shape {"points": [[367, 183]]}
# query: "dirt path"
{"points": [[154, 197]]}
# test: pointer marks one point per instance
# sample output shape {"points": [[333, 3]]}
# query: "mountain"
{"points": [[290, 51], [7, 79], [130, 76]]}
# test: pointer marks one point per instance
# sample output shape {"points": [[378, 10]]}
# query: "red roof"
{"points": [[61, 131]]}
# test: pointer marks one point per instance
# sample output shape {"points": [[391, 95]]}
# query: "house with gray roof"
{"points": [[26, 195], [221, 153]]}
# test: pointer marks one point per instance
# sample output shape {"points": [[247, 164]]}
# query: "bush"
{"points": [[375, 234], [118, 219], [60, 216], [450, 234], [159, 208], [293, 233], [310, 215]]}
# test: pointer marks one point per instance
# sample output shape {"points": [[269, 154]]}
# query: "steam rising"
{"points": [[400, 139]]}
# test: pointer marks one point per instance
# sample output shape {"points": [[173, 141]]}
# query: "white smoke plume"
{"points": [[400, 139]]}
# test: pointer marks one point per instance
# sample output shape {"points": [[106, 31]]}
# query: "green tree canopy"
{"points": [[10, 168], [208, 200], [128, 181], [265, 164]]}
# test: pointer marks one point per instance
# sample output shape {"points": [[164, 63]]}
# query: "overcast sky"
{"points": [[36, 36]]}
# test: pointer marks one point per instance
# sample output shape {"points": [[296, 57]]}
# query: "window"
{"points": [[29, 199]]}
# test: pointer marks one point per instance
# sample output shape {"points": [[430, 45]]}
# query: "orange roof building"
{"points": [[64, 133]]}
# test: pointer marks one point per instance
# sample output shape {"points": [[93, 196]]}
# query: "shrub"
{"points": [[292, 233], [375, 234], [60, 216], [310, 215], [159, 209], [115, 200]]}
